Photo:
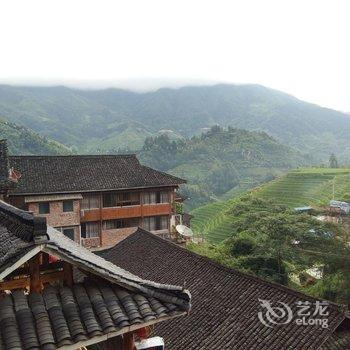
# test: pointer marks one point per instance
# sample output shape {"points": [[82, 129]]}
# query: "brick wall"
{"points": [[57, 218], [112, 237]]}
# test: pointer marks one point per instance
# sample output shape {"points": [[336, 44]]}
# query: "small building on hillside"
{"points": [[55, 294], [232, 310], [94, 200]]}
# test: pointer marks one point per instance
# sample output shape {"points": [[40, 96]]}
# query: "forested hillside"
{"points": [[24, 141], [113, 119], [220, 161]]}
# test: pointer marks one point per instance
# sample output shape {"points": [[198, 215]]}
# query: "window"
{"points": [[164, 197], [44, 208], [120, 223], [155, 223], [68, 232], [130, 198], [67, 206], [90, 229], [90, 201], [121, 199], [156, 197]]}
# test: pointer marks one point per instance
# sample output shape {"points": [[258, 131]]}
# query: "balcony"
{"points": [[132, 211], [93, 242]]}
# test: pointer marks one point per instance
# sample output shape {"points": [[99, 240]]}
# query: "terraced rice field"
{"points": [[302, 187], [311, 186], [212, 221]]}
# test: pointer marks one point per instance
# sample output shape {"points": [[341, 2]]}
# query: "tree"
{"points": [[274, 242], [333, 162]]}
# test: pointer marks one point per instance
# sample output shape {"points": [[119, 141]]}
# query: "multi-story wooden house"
{"points": [[95, 200]]}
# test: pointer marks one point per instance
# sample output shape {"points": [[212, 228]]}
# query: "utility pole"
{"points": [[333, 186]]}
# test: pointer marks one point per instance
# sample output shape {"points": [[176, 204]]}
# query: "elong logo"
{"points": [[307, 314]]}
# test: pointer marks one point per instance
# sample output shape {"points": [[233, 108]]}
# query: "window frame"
{"points": [[156, 197], [46, 211], [84, 232], [69, 228], [120, 199], [65, 202]]}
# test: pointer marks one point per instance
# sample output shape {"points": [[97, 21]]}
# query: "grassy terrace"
{"points": [[212, 221], [310, 186], [301, 187]]}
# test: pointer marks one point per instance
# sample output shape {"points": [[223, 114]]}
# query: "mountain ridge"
{"points": [[90, 119]]}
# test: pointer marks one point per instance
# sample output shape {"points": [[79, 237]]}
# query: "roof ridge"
{"points": [[37, 225], [231, 270], [164, 173]]}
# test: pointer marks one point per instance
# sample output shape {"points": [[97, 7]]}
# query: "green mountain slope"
{"points": [[24, 141], [82, 118], [301, 187], [220, 160]]}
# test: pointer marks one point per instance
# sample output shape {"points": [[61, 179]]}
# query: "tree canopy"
{"points": [[279, 244]]}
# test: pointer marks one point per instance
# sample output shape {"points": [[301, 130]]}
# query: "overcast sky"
{"points": [[300, 47]]}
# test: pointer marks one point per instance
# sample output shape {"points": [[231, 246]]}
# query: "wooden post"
{"points": [[128, 341], [101, 217], [45, 259], [34, 271], [141, 203], [67, 274]]}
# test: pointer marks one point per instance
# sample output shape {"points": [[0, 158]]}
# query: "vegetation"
{"points": [[212, 221], [276, 243], [220, 161], [112, 119], [26, 142], [333, 162], [309, 186], [301, 187]]}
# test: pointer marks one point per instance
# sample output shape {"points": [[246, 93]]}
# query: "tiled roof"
{"points": [[338, 342], [225, 302], [114, 305], [18, 230], [64, 316], [59, 174], [60, 245]]}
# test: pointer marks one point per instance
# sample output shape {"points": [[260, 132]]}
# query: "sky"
{"points": [[300, 47]]}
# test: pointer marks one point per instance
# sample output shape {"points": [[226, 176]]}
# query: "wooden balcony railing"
{"points": [[126, 212]]}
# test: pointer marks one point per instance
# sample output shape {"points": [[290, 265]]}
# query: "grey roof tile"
{"points": [[225, 307], [80, 313], [54, 174]]}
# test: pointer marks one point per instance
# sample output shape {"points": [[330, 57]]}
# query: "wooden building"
{"points": [[94, 200], [55, 294]]}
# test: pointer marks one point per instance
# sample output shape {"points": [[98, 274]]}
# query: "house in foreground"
{"points": [[94, 200], [227, 303], [55, 294]]}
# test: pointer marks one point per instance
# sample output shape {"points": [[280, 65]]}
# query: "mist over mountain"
{"points": [[115, 119]]}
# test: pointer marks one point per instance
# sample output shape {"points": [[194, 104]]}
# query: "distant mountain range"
{"points": [[110, 120]]}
